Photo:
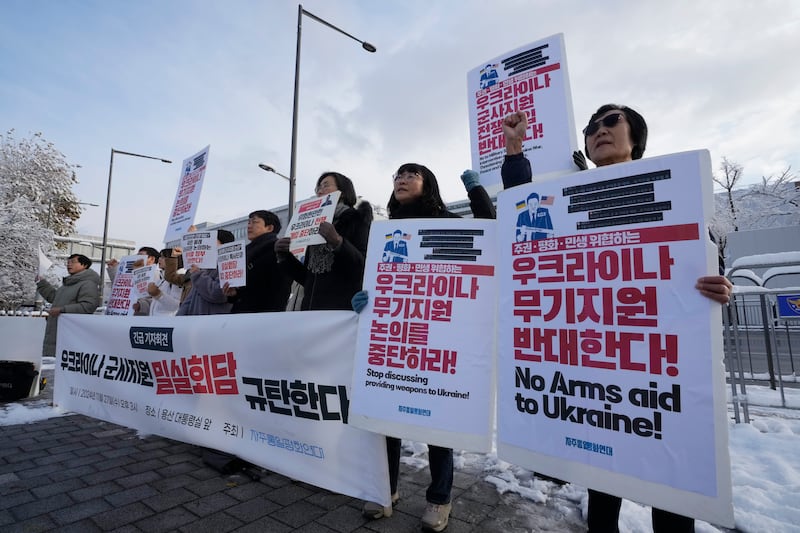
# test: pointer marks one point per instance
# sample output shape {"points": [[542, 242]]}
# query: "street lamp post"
{"points": [[293, 165], [268, 168], [108, 206]]}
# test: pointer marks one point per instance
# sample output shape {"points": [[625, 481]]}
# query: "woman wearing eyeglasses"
{"points": [[615, 134], [416, 195], [332, 272]]}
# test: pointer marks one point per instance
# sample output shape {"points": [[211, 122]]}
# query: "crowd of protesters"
{"points": [[330, 277]]}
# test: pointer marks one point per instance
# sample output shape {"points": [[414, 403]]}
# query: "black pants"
{"points": [[604, 516]]}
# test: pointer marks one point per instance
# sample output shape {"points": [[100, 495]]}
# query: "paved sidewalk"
{"points": [[76, 473]]}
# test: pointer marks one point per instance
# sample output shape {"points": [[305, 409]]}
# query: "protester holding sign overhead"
{"points": [[332, 272], [614, 134]]}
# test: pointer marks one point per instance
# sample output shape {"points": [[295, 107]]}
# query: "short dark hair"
{"points": [[82, 259], [152, 252], [345, 186], [269, 218], [531, 196], [431, 198], [224, 236], [637, 125]]}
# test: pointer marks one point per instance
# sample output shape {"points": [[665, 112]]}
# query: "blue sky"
{"points": [[166, 78]]}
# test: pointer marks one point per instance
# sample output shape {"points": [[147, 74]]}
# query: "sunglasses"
{"points": [[609, 121]]}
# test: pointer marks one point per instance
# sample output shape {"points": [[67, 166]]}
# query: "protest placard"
{"points": [[533, 79], [232, 264], [424, 368], [123, 294], [187, 196], [200, 248], [304, 227], [610, 367]]}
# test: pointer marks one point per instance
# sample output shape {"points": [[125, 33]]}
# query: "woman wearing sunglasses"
{"points": [[615, 134]]}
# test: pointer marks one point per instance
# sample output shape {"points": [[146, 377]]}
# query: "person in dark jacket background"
{"points": [[332, 272], [267, 287]]}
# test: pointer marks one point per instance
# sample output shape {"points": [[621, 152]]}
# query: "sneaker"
{"points": [[375, 510], [436, 516]]}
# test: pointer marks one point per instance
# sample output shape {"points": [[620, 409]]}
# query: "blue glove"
{"points": [[471, 179], [359, 301]]}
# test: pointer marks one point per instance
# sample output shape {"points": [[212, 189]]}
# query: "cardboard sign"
{"points": [[200, 248], [609, 365], [533, 79], [187, 196], [232, 264], [304, 226]]}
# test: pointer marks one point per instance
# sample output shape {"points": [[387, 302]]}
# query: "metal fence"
{"points": [[759, 346]]}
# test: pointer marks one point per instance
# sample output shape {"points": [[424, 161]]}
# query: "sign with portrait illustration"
{"points": [[123, 291], [424, 368], [304, 227], [610, 367], [181, 217], [532, 79]]}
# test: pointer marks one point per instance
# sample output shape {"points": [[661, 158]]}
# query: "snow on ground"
{"points": [[765, 466]]}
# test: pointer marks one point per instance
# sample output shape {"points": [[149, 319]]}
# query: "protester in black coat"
{"points": [[332, 272], [267, 287]]}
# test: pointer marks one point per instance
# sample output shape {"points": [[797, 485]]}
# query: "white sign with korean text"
{"points": [[304, 226], [425, 362], [266, 390], [123, 292], [610, 367], [142, 277], [232, 264], [533, 79], [187, 196], [200, 248]]}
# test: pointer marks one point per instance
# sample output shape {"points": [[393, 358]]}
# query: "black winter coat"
{"points": [[333, 289], [267, 286]]}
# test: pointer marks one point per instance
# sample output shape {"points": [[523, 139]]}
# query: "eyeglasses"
{"points": [[609, 121], [406, 176]]}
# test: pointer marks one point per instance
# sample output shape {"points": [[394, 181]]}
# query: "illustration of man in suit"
{"points": [[396, 250], [534, 223]]}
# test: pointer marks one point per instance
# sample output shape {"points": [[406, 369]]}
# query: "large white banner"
{"points": [[184, 207], [610, 362], [425, 362], [534, 79], [255, 385]]}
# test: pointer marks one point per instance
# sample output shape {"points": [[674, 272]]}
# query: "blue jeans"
{"points": [[440, 461]]}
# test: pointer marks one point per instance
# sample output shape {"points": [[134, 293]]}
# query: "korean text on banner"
{"points": [[265, 390], [123, 292], [607, 355], [304, 226], [425, 362], [200, 248], [232, 264], [532, 79], [183, 210]]}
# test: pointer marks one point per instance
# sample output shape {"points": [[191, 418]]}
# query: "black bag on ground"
{"points": [[16, 379], [228, 464]]}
